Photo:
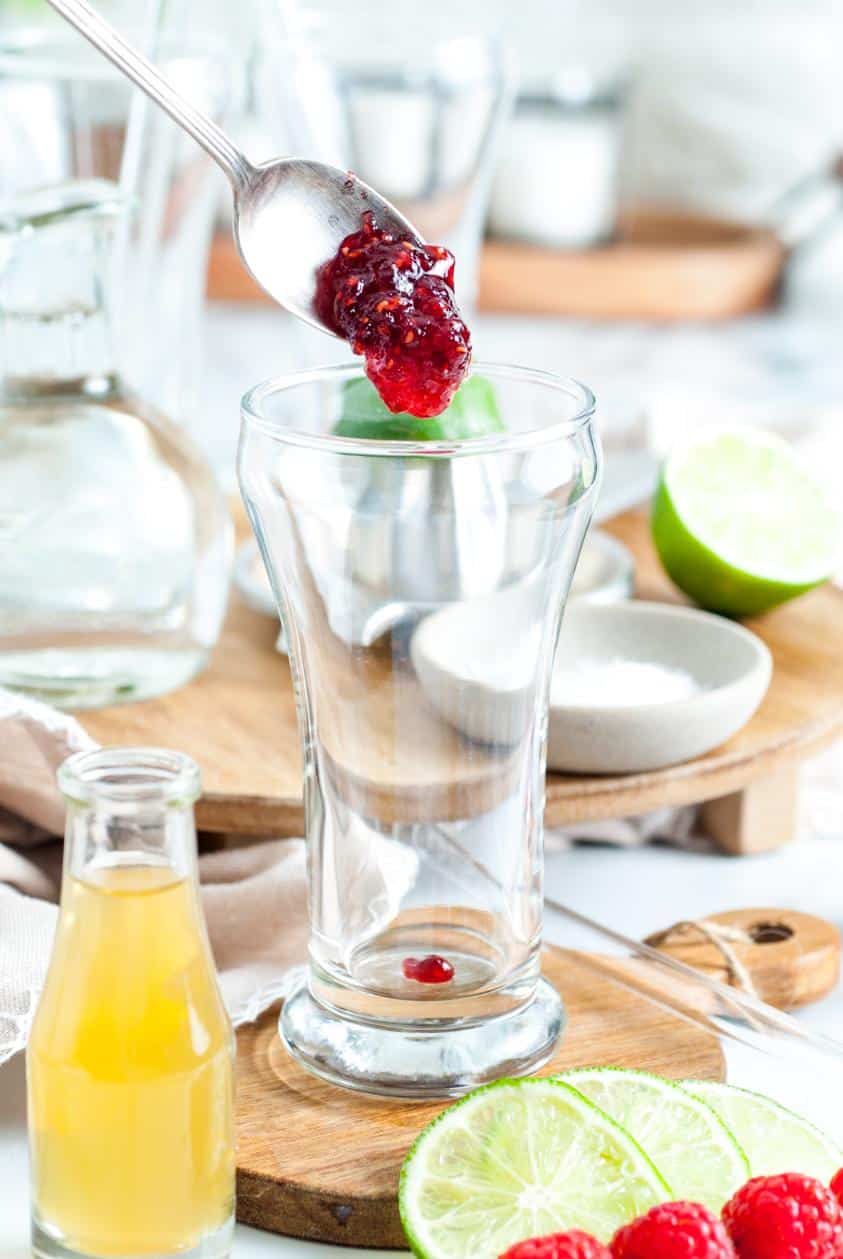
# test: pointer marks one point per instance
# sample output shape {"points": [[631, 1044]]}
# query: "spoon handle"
{"points": [[142, 73]]}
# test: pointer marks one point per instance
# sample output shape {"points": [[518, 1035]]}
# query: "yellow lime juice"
{"points": [[130, 1071]]}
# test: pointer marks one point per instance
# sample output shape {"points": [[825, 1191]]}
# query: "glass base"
{"points": [[95, 677], [403, 1060], [216, 1245]]}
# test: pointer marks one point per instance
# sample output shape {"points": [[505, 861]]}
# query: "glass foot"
{"points": [[403, 1061]]}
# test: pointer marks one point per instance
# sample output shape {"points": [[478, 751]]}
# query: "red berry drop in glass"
{"points": [[393, 301], [432, 969]]}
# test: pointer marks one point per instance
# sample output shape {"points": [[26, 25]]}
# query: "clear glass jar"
{"points": [[130, 1063], [421, 586], [114, 536]]}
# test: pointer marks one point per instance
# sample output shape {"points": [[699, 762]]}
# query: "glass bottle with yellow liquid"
{"points": [[130, 1060]]}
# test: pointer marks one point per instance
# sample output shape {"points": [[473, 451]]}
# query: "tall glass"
{"points": [[130, 1060], [422, 586]]}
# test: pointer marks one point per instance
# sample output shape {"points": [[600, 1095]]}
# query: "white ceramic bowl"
{"points": [[605, 571], [466, 658], [471, 662], [729, 667]]}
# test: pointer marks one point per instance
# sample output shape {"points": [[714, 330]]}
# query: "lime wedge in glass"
{"points": [[692, 1148], [739, 523], [518, 1159], [774, 1139], [473, 412]]}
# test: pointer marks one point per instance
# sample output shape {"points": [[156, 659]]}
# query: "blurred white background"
{"points": [[733, 100]]}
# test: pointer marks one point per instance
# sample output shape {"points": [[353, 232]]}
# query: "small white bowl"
{"points": [[468, 660], [730, 669], [476, 663], [605, 572]]}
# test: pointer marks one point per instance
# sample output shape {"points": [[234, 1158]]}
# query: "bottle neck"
{"points": [[128, 808], [106, 835], [58, 264]]}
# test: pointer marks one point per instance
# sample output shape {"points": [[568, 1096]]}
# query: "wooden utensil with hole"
{"points": [[790, 958]]}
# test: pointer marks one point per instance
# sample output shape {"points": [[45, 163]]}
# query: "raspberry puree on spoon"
{"points": [[393, 300]]}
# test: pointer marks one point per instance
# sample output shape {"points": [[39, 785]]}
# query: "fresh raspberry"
{"points": [[837, 1186], [785, 1217], [573, 1245], [674, 1230]]}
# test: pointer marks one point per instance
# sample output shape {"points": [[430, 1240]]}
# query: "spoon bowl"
{"points": [[292, 214]]}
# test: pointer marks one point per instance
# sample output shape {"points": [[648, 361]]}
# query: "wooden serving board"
{"points": [[665, 265], [318, 1162], [238, 721]]}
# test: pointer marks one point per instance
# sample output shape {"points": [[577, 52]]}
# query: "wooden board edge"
{"points": [[688, 783], [255, 817], [524, 279], [567, 801], [319, 1216]]}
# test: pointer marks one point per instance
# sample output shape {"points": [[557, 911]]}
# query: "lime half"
{"points": [[518, 1159], [740, 524], [473, 412], [774, 1139], [692, 1148]]}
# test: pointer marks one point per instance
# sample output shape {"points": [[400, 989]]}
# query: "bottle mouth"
{"points": [[130, 775]]}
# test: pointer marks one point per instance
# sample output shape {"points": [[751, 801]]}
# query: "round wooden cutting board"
{"points": [[318, 1162], [238, 720]]}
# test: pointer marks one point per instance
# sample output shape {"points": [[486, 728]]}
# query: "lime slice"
{"points": [[775, 1140], [473, 412], [739, 523], [518, 1159], [692, 1148]]}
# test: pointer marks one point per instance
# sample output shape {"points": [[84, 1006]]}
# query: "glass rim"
{"points": [[253, 415], [130, 774]]}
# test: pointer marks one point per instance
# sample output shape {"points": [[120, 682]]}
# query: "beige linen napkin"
{"points": [[254, 898]]}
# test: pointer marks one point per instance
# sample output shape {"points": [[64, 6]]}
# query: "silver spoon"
{"points": [[290, 215]]}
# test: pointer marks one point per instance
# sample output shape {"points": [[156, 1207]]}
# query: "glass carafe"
{"points": [[114, 537], [130, 1060], [66, 114]]}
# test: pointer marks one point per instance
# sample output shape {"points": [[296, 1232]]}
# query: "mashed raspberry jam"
{"points": [[393, 301]]}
